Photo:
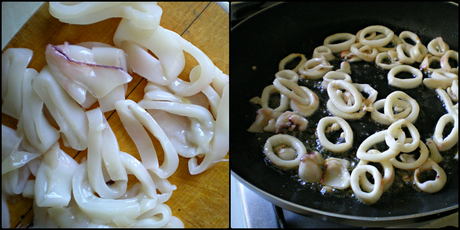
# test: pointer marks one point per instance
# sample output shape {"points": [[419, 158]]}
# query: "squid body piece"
{"points": [[159, 41], [336, 174], [79, 69], [134, 118], [54, 178], [103, 152], [70, 117], [14, 65], [37, 129], [143, 15]]}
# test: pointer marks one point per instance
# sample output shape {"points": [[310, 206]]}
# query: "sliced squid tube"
{"points": [[159, 41], [14, 64], [36, 127], [71, 119], [144, 15], [134, 118], [53, 184], [96, 78], [14, 181], [144, 64], [220, 142], [103, 152]]}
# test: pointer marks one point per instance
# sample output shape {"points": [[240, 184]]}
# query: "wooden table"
{"points": [[200, 200]]}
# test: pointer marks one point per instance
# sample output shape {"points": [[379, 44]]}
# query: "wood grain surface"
{"points": [[200, 200]]}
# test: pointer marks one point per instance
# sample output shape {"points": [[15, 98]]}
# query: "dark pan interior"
{"points": [[261, 41]]}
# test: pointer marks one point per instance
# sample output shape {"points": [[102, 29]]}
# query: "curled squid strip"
{"points": [[425, 65], [292, 90], [387, 179], [405, 83], [446, 143], [337, 148], [404, 55], [37, 129], [14, 65], [339, 113], [376, 42], [201, 129], [451, 54], [315, 68], [365, 52], [377, 191], [71, 119], [372, 95], [409, 165], [290, 57], [220, 143], [134, 118], [394, 131], [288, 74], [392, 99], [264, 116], [374, 155], [104, 154], [53, 184], [418, 52], [159, 41], [284, 140], [310, 167], [440, 79], [447, 101], [336, 174], [431, 186], [349, 39], [435, 155], [144, 15], [437, 47], [306, 110]]}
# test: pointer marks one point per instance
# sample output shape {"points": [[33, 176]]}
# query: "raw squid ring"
{"points": [[291, 75], [402, 49], [297, 94], [394, 130], [315, 68], [379, 42], [431, 186], [360, 51], [381, 118], [437, 47], [290, 57], [323, 51], [338, 101], [349, 116], [392, 98], [284, 139], [445, 61], [306, 110], [336, 148], [387, 179], [284, 100], [336, 48], [335, 75], [374, 155], [424, 154], [408, 34], [448, 142], [405, 83], [369, 197], [391, 55]]}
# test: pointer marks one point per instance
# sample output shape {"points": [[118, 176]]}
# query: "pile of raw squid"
{"points": [[189, 119]]}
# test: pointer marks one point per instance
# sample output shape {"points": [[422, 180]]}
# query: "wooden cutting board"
{"points": [[200, 200]]}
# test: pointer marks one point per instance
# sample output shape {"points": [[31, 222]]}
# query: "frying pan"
{"points": [[260, 41]]}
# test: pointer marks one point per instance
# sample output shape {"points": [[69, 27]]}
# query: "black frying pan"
{"points": [[262, 40]]}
